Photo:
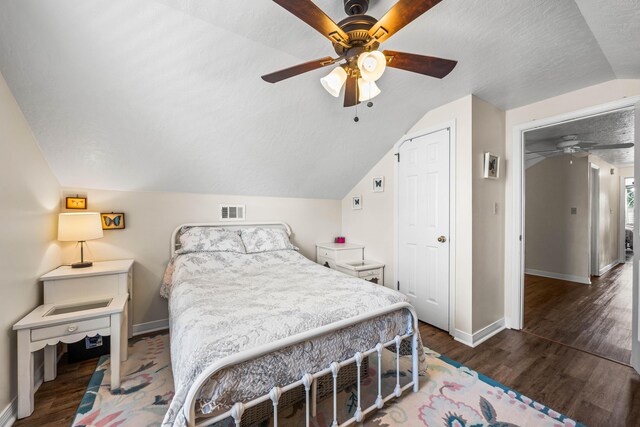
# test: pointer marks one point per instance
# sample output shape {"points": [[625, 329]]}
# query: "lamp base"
{"points": [[81, 264]]}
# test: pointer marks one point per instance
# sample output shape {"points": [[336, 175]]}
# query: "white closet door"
{"points": [[423, 220]]}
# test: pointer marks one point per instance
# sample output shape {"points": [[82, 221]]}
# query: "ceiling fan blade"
{"points": [[401, 14], [351, 92], [316, 18], [544, 151], [427, 65], [277, 76], [611, 146]]}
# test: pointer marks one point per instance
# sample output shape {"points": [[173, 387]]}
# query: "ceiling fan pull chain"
{"points": [[356, 118]]}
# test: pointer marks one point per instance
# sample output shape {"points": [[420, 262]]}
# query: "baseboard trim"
{"points": [[145, 328], [608, 267], [10, 414], [477, 338], [550, 275]]}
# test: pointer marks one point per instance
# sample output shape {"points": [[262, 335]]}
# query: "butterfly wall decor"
{"points": [[356, 202], [378, 184], [112, 221]]}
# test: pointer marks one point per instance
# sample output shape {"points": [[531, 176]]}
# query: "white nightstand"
{"points": [[371, 271], [50, 324], [103, 279], [331, 254]]}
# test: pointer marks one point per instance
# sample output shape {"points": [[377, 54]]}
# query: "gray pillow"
{"points": [[258, 239], [210, 239]]}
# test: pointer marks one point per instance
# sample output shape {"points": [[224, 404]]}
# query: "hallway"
{"points": [[595, 318]]}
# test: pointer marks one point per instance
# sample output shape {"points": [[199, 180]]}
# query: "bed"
{"points": [[247, 327]]}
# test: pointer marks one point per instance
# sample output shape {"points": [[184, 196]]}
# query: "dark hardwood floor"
{"points": [[56, 401], [595, 318], [585, 387], [588, 388]]}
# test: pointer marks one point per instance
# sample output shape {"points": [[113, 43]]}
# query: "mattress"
{"points": [[221, 303]]}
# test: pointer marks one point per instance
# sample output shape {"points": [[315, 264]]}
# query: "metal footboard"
{"points": [[308, 380]]}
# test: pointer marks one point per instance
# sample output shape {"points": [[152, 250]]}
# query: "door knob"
{"points": [[442, 239]]}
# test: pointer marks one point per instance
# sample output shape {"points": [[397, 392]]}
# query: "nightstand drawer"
{"points": [[370, 273], [327, 262], [326, 253], [70, 328]]}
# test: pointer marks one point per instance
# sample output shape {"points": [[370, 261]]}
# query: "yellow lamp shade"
{"points": [[334, 81], [372, 65], [367, 90], [79, 227]]}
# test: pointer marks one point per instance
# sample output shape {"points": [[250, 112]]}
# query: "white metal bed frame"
{"points": [[308, 380]]}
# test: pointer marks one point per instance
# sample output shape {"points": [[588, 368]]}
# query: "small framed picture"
{"points": [[356, 202], [112, 221], [378, 184], [76, 202], [491, 166]]}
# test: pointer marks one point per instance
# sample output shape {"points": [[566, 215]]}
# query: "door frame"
{"points": [[622, 247], [451, 127], [514, 307], [594, 220]]}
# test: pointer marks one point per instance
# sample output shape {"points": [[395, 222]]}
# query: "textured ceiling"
{"points": [[605, 129], [166, 95]]}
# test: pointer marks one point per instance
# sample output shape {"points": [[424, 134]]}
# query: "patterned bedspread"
{"points": [[221, 303]]}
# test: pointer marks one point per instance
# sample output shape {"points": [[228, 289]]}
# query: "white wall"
{"points": [[488, 216], [556, 241], [151, 217], [626, 172], [30, 196], [609, 214], [373, 224]]}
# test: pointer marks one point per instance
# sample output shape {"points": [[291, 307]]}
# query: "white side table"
{"points": [[68, 322], [102, 279], [330, 254], [371, 271]]}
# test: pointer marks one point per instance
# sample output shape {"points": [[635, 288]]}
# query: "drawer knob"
{"points": [[72, 328]]}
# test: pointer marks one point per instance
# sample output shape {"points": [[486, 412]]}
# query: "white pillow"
{"points": [[210, 239], [259, 239]]}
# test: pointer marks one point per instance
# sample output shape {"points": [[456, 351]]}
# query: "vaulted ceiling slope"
{"points": [[166, 95]]}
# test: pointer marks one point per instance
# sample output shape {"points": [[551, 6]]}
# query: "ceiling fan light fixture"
{"points": [[367, 90], [372, 65], [334, 81]]}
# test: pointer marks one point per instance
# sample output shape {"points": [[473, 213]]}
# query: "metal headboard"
{"points": [[175, 243]]}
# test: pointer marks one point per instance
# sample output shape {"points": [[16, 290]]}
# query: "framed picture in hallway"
{"points": [[491, 166]]}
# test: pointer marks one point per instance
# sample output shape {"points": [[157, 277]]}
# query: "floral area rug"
{"points": [[450, 395]]}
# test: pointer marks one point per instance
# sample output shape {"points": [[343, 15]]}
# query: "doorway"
{"points": [[423, 215], [589, 304], [595, 213], [628, 198]]}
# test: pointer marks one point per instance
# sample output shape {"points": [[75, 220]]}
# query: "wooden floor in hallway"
{"points": [[585, 387], [595, 318]]}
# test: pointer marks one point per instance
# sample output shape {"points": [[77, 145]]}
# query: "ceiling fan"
{"points": [[571, 144], [356, 40]]}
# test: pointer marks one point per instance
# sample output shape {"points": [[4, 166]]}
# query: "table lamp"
{"points": [[79, 227]]}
